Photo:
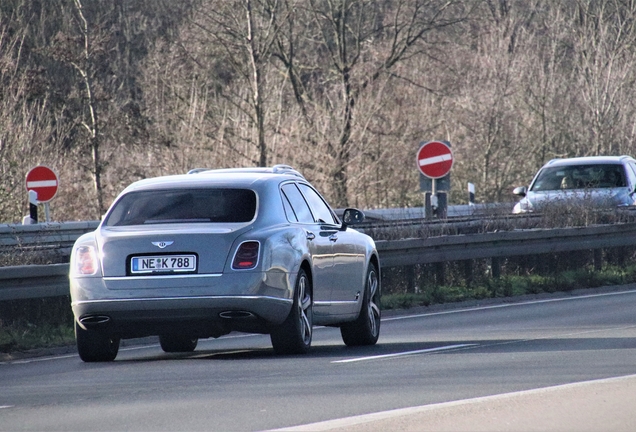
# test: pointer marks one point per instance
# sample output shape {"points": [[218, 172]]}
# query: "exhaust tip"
{"points": [[94, 320], [236, 315]]}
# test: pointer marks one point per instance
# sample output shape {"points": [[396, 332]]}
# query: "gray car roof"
{"points": [[216, 178], [588, 160], [260, 182]]}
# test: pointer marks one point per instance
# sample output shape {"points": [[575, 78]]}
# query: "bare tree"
{"points": [[26, 130], [344, 48], [606, 37], [548, 93], [84, 66], [342, 89], [235, 39]]}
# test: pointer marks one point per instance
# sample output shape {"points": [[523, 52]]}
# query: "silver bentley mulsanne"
{"points": [[202, 254]]}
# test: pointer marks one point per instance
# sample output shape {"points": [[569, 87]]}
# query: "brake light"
{"points": [[246, 256], [85, 260]]}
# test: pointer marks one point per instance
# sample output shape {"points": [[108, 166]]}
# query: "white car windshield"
{"points": [[580, 177]]}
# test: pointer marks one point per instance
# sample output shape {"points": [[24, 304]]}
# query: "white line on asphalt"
{"points": [[224, 353], [129, 348], [525, 303], [39, 359], [405, 353], [6, 406], [26, 361], [383, 415]]}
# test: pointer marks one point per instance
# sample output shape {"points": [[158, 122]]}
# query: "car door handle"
{"points": [[333, 237], [310, 235]]}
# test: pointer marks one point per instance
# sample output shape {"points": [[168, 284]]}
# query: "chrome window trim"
{"points": [[161, 299], [152, 277]]}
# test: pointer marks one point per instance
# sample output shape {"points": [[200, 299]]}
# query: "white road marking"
{"points": [[506, 305], [130, 348], [405, 353], [478, 308], [224, 353], [401, 412], [39, 359]]}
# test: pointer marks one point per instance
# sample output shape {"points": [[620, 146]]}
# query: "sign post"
{"points": [[43, 181], [435, 160]]}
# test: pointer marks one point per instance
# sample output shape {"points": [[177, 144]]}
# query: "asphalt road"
{"points": [[468, 364]]}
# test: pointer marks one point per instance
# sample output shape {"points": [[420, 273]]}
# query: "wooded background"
{"points": [[109, 92]]}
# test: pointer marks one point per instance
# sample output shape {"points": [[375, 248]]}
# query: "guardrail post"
{"points": [[468, 272], [553, 263], [495, 267], [428, 207], [33, 205], [442, 205], [33, 209], [598, 259], [440, 273], [621, 251], [410, 279]]}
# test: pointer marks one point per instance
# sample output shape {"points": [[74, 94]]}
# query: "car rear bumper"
{"points": [[199, 316]]}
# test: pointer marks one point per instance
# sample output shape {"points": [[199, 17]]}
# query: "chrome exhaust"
{"points": [[236, 315], [94, 321]]}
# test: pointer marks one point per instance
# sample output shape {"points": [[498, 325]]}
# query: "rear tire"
{"points": [[365, 330], [177, 343], [293, 336], [95, 345]]}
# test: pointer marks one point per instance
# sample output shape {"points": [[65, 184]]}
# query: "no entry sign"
{"points": [[43, 181], [434, 159]]}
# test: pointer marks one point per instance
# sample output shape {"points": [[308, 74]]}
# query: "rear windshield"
{"points": [[580, 177], [183, 206]]}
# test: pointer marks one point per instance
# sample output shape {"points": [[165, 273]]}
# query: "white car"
{"points": [[602, 181]]}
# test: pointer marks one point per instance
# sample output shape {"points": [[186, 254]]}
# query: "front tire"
{"points": [[95, 345], [177, 343], [365, 330], [293, 336]]}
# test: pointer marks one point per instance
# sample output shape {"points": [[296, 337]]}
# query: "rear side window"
{"points": [[320, 208], [183, 206], [301, 212]]}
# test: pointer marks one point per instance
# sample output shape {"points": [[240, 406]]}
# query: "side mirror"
{"points": [[521, 191], [352, 216]]}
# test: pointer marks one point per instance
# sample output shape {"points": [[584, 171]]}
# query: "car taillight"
{"points": [[246, 256], [85, 260]]}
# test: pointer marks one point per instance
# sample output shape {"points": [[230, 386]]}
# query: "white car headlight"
{"points": [[522, 206]]}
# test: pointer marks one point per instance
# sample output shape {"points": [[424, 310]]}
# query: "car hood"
{"points": [[537, 201]]}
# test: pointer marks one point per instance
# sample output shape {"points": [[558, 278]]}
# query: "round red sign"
{"points": [[434, 159], [43, 181]]}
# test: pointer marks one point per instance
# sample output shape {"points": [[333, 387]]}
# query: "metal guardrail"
{"points": [[53, 234], [454, 211], [38, 281], [34, 281], [394, 253], [52, 280], [64, 234]]}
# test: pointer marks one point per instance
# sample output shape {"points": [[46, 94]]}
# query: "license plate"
{"points": [[163, 263]]}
